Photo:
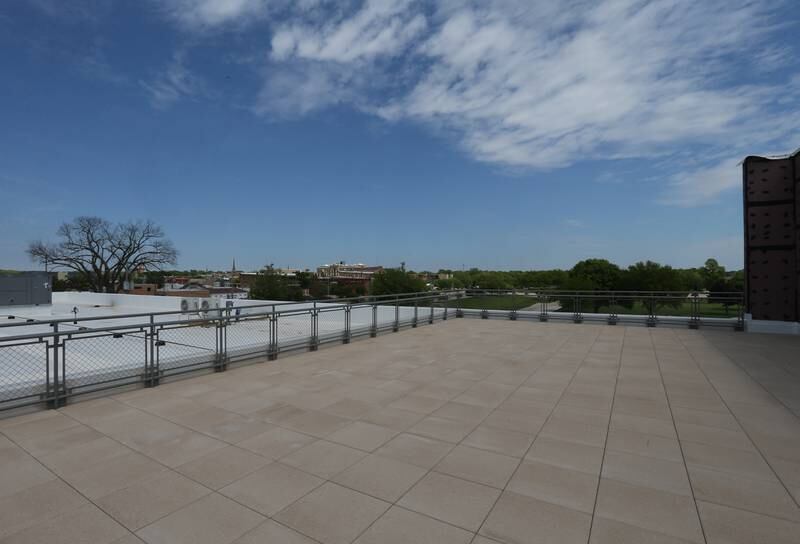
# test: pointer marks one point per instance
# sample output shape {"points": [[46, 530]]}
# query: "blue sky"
{"points": [[505, 135]]}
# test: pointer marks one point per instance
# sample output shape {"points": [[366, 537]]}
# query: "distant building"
{"points": [[143, 289], [25, 288], [188, 292], [247, 279], [287, 272], [340, 271], [228, 293], [348, 274]]}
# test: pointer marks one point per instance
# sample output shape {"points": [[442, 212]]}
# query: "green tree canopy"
{"points": [[394, 281], [651, 276], [594, 274], [269, 285], [713, 273]]}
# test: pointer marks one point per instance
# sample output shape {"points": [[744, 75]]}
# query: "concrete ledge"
{"points": [[770, 327]]}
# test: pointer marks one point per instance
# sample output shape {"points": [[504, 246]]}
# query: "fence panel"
{"points": [[331, 324], [24, 373], [185, 347], [247, 337], [99, 361], [294, 330]]}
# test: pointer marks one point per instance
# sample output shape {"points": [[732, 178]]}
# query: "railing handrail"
{"points": [[396, 298], [214, 314], [171, 345], [336, 302]]}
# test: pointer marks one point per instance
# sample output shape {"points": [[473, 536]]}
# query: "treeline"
{"points": [[270, 285], [601, 274]]}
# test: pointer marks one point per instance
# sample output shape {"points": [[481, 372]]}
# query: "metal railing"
{"points": [[649, 308], [50, 361]]}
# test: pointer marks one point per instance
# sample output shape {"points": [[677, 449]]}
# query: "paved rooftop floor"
{"points": [[466, 431]]}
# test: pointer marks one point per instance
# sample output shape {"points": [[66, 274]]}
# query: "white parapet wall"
{"points": [[117, 301], [770, 327]]}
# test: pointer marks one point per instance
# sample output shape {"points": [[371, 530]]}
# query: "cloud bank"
{"points": [[535, 84]]}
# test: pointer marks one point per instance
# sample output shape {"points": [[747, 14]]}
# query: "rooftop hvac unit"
{"points": [[204, 306], [188, 305]]}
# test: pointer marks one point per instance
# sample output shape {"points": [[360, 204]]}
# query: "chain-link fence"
{"points": [[24, 372]]}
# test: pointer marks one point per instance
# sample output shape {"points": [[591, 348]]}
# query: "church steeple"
{"points": [[233, 268]]}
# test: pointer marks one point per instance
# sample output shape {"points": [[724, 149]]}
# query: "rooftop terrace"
{"points": [[470, 431]]}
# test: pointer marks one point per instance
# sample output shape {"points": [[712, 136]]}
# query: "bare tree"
{"points": [[104, 253]]}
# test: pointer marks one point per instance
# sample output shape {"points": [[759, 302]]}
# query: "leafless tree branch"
{"points": [[105, 253]]}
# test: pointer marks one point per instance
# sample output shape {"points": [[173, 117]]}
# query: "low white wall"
{"points": [[154, 303], [116, 300], [770, 327]]}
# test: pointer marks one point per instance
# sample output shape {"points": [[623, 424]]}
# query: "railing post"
{"points": [[651, 318], [444, 318], [396, 326], [577, 316], [431, 318], [272, 349], [694, 312], [152, 370], [512, 315], [373, 331], [543, 308], [314, 344], [221, 363], [739, 315], [612, 314], [459, 309], [416, 313], [54, 396], [346, 337]]}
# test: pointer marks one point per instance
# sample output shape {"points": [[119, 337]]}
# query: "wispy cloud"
{"points": [[176, 81], [574, 223], [535, 84], [205, 14], [379, 28]]}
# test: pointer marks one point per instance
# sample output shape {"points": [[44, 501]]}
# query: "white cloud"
{"points": [[174, 83], [299, 89], [380, 27], [535, 83], [198, 14], [693, 188]]}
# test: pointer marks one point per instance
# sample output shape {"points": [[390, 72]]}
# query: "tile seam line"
{"points": [[547, 419], [677, 434], [122, 402], [475, 533], [744, 430], [453, 446], [71, 487], [745, 371], [212, 491], [608, 430]]}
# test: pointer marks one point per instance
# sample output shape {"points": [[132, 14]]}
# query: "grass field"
{"points": [[507, 302], [705, 309], [499, 302]]}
